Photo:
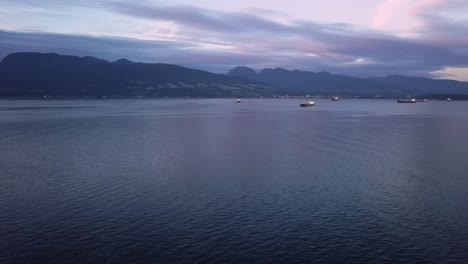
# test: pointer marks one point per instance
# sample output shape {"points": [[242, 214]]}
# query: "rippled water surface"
{"points": [[212, 181]]}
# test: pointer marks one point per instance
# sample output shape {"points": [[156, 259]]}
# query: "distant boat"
{"points": [[238, 101], [334, 98], [407, 101], [422, 100], [448, 99], [307, 104]]}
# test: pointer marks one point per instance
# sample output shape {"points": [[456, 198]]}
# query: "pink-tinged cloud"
{"points": [[385, 12]]}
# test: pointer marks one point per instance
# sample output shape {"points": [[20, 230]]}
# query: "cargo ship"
{"points": [[307, 104], [407, 101]]}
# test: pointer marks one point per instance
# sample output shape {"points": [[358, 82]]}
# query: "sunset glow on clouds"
{"points": [[361, 38]]}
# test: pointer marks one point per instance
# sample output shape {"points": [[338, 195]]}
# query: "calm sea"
{"points": [[212, 181]]}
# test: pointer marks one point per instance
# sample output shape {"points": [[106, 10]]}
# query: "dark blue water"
{"points": [[211, 181]]}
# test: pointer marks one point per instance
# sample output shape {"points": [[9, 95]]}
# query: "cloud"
{"points": [[385, 11], [336, 46], [216, 41], [113, 48], [422, 6], [195, 18], [104, 47], [442, 17]]}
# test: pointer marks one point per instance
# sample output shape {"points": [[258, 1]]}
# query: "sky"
{"points": [[364, 38]]}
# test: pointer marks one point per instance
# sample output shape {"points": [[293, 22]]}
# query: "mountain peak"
{"points": [[243, 72], [268, 71], [123, 61]]}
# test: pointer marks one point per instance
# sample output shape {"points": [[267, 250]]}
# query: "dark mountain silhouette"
{"points": [[38, 74], [243, 72], [123, 61], [325, 83]]}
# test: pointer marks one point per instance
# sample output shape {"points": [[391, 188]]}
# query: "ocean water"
{"points": [[212, 181]]}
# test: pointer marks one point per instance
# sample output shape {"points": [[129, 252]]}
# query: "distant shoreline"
{"points": [[431, 98]]}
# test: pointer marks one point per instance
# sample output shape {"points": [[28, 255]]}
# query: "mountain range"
{"points": [[52, 75], [38, 75], [328, 84]]}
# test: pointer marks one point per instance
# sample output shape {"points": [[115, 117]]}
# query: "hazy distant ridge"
{"points": [[326, 83]]}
